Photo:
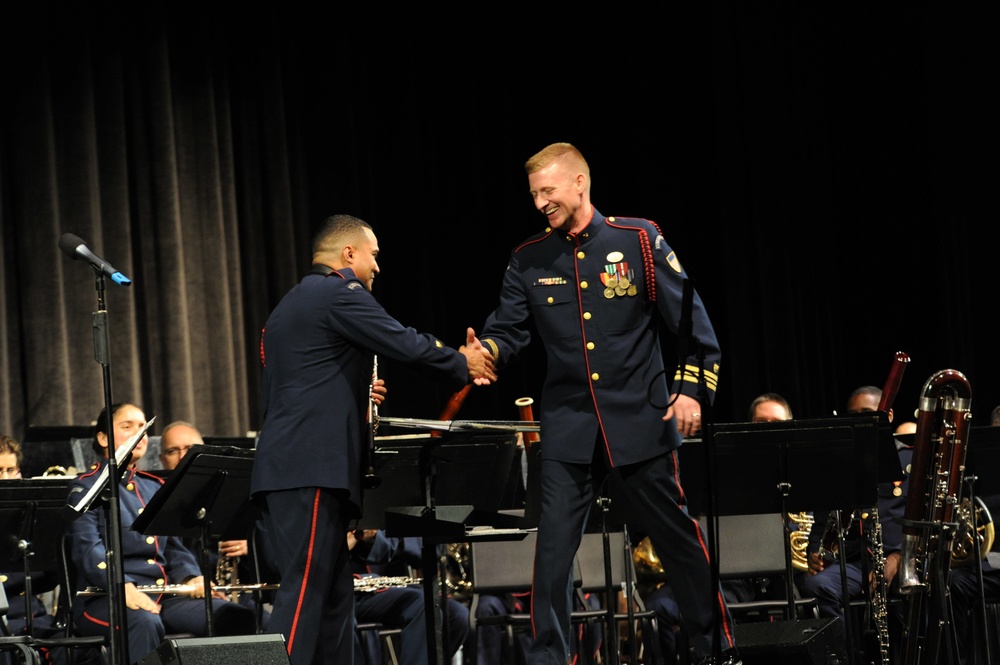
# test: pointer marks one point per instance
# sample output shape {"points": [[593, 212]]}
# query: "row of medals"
{"points": [[619, 287]]}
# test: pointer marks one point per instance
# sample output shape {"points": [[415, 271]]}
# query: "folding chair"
{"points": [[753, 546], [594, 572], [500, 567], [23, 645], [386, 635]]}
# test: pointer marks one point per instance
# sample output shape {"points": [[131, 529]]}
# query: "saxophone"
{"points": [[798, 539]]}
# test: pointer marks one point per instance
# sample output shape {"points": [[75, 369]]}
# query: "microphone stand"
{"points": [[118, 639]]}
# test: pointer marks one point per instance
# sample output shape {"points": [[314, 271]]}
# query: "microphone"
{"points": [[76, 248]]}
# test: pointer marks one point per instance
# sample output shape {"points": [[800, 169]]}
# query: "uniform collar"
{"points": [[590, 231]]}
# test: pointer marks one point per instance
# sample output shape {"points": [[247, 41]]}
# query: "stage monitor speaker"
{"points": [[801, 642], [244, 649]]}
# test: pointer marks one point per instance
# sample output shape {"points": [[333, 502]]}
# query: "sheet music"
{"points": [[121, 454]]}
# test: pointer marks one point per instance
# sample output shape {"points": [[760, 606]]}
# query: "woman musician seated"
{"points": [[145, 560]]}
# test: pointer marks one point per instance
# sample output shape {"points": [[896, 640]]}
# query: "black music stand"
{"points": [[789, 466], [31, 527], [982, 456], [435, 487], [207, 495]]}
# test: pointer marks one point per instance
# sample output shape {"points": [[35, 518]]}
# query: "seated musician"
{"points": [[823, 578], [767, 407], [399, 605], [231, 558], [149, 564]]}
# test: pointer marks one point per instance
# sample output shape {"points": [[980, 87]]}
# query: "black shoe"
{"points": [[728, 657]]}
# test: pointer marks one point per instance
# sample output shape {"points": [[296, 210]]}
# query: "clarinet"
{"points": [[880, 589], [370, 480]]}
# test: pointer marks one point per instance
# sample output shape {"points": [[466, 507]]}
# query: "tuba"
{"points": [[932, 513]]}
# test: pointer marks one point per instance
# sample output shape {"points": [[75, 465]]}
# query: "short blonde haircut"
{"points": [[558, 152]]}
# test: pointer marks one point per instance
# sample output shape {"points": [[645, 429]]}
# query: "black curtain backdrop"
{"points": [[825, 173]]}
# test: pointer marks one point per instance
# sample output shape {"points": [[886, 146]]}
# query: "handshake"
{"points": [[482, 368]]}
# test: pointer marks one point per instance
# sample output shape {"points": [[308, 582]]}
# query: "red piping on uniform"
{"points": [[650, 279], [305, 576], [704, 550], [95, 620], [586, 356]]}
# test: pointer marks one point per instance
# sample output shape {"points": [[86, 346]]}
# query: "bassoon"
{"points": [[937, 472]]}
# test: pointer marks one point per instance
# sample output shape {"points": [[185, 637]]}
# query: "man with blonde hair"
{"points": [[597, 288]]}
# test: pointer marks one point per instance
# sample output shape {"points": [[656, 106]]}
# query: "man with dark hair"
{"points": [[317, 351], [176, 440]]}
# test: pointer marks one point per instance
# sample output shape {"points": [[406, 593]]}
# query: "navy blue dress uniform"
{"points": [[145, 561], [317, 351], [597, 299]]}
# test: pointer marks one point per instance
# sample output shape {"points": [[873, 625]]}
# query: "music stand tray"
{"points": [[822, 464], [207, 494], [434, 486]]}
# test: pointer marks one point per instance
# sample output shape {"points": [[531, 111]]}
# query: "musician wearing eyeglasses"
{"points": [[150, 564], [230, 558]]}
